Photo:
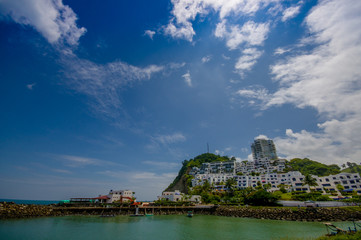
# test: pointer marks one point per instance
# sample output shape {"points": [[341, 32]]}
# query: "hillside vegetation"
{"points": [[182, 181], [307, 166], [352, 168]]}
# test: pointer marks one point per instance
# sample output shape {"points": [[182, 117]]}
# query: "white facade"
{"points": [[120, 196], [291, 180], [261, 165], [178, 196], [349, 181]]}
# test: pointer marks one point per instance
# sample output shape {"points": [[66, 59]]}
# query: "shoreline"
{"points": [[333, 214]]}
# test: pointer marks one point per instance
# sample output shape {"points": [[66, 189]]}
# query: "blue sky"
{"points": [[100, 95]]}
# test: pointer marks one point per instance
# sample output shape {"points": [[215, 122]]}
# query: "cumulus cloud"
{"points": [[250, 33], [248, 36], [326, 78], [261, 137], [184, 12], [185, 31], [187, 79], [51, 18]]}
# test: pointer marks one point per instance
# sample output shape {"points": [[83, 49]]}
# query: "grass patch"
{"points": [[349, 236]]}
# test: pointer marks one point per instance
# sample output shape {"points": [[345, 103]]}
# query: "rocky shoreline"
{"points": [[292, 213], [15, 211]]}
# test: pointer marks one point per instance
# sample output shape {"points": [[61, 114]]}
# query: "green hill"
{"points": [[183, 180], [353, 168], [307, 166]]}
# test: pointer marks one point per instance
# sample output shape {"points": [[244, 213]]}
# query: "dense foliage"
{"points": [[207, 158], [310, 167], [232, 196], [352, 168], [196, 162], [348, 236]]}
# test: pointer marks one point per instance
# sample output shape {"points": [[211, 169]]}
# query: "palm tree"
{"points": [[230, 183], [310, 181]]}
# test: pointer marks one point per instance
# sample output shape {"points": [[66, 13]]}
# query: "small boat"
{"points": [[190, 214]]}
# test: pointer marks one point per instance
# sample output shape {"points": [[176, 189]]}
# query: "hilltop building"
{"points": [[268, 169], [263, 149]]}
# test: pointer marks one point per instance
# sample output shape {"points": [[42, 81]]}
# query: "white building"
{"points": [[293, 181], [120, 196], [177, 196]]}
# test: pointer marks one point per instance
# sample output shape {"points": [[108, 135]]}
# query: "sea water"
{"points": [[170, 227]]}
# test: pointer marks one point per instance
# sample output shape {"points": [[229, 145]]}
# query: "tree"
{"points": [[261, 198], [310, 181], [340, 188], [230, 184], [206, 186], [267, 186]]}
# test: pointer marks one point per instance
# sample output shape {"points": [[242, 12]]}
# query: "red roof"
{"points": [[102, 197]]}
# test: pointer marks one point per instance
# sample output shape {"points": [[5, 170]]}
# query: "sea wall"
{"points": [[8, 211], [292, 214]]}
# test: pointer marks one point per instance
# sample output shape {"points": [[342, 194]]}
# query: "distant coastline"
{"points": [[29, 202]]}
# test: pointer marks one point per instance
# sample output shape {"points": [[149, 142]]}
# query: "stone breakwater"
{"points": [[291, 214], [9, 211]]}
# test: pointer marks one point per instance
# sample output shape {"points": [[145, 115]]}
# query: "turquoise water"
{"points": [[36, 202], [158, 227]]}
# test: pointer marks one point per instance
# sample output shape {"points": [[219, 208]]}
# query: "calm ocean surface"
{"points": [[158, 227]]}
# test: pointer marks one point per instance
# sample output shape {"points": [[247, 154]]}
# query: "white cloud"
{"points": [[185, 31], [30, 86], [247, 60], [225, 57], [261, 137], [187, 79], [103, 82], [149, 33], [206, 59], [163, 165], [328, 79], [169, 139], [77, 161], [185, 11], [250, 34], [290, 12], [281, 51], [52, 19], [259, 96]]}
